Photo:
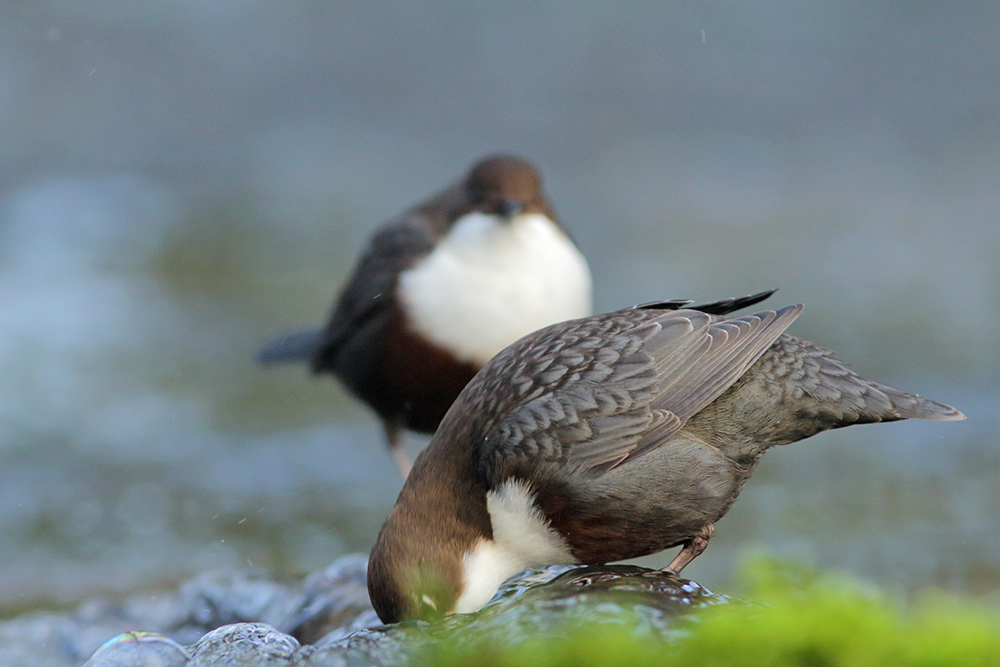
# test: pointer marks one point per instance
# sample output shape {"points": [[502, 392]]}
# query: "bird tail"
{"points": [[294, 346], [826, 394], [911, 406]]}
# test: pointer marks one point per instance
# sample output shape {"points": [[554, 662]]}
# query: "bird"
{"points": [[607, 438], [440, 289]]}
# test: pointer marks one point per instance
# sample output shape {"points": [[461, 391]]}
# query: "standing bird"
{"points": [[440, 290], [607, 438]]}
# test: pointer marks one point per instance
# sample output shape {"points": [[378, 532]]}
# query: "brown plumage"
{"points": [[373, 344], [608, 438]]}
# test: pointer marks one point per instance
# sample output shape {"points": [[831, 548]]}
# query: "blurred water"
{"points": [[182, 180]]}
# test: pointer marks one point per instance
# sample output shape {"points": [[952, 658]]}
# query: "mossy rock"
{"points": [[803, 619]]}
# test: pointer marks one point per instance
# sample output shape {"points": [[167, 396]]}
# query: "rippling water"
{"points": [[164, 209]]}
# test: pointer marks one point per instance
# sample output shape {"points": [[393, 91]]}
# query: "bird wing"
{"points": [[396, 246], [600, 391], [392, 249]]}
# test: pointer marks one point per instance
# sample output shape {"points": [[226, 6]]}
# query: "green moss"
{"points": [[804, 619]]}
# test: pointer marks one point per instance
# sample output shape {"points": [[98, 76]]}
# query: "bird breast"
{"points": [[491, 281], [522, 538]]}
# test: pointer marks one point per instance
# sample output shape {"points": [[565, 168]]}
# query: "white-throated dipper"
{"points": [[440, 290], [607, 438]]}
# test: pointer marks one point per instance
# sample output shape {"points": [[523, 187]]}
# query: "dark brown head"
{"points": [[417, 566], [407, 580], [506, 185]]}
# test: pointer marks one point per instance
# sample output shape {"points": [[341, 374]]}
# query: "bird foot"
{"points": [[394, 439], [691, 550], [402, 461]]}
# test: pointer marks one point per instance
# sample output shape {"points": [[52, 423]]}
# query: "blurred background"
{"points": [[182, 180]]}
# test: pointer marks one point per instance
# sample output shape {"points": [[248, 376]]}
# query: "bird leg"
{"points": [[691, 550], [393, 438]]}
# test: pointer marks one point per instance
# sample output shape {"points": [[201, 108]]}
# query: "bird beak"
{"points": [[508, 208]]}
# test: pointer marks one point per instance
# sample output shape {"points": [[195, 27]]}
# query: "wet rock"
{"points": [[245, 645], [384, 646], [333, 603], [139, 649], [541, 601], [647, 601], [215, 599], [246, 618]]}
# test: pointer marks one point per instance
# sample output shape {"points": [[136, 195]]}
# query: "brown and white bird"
{"points": [[607, 438], [440, 290]]}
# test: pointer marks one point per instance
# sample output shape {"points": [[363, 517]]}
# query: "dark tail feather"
{"points": [[723, 307], [673, 304], [295, 346], [729, 305]]}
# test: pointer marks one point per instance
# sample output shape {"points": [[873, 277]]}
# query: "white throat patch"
{"points": [[491, 281], [522, 538]]}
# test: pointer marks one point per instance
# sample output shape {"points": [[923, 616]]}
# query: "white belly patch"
{"points": [[491, 281], [522, 538]]}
